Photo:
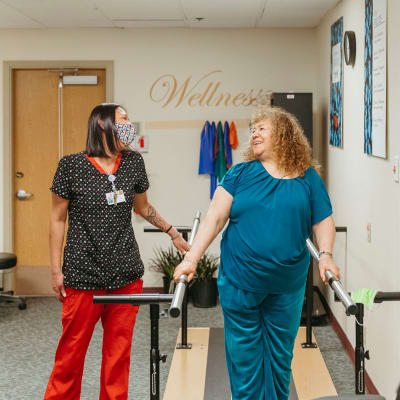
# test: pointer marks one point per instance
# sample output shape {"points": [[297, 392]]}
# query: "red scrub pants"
{"points": [[79, 317]]}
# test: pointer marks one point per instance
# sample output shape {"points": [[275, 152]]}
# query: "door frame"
{"points": [[8, 67]]}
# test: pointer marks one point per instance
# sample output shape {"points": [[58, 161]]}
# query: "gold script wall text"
{"points": [[206, 91]]}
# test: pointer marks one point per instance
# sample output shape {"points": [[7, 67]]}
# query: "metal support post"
{"points": [[360, 353], [309, 344], [154, 353], [184, 344], [155, 356]]}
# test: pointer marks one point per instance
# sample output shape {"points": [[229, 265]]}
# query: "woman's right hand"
{"points": [[186, 267], [57, 282]]}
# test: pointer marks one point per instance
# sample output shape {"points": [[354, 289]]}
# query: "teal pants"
{"points": [[260, 330]]}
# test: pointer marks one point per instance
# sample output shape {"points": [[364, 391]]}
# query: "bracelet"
{"points": [[168, 229], [175, 237], [324, 252]]}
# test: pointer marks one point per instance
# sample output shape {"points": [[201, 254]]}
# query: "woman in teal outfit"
{"points": [[274, 201]]}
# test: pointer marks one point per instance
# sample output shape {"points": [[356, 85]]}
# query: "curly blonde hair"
{"points": [[290, 146]]}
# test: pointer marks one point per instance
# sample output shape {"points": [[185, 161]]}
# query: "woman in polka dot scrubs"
{"points": [[97, 189]]}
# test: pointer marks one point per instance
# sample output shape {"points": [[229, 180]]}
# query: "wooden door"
{"points": [[36, 139]]}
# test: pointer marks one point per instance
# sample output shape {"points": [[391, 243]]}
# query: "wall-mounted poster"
{"points": [[336, 108], [375, 78]]}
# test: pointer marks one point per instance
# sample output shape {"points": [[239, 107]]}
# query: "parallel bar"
{"points": [[360, 353], [178, 297], [135, 299], [196, 224], [154, 299], [313, 250], [180, 229], [180, 289], [335, 284], [386, 296]]}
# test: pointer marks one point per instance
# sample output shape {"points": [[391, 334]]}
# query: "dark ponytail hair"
{"points": [[94, 142]]}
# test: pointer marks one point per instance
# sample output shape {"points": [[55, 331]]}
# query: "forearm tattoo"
{"points": [[154, 218]]}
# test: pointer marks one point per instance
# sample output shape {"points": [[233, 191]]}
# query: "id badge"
{"points": [[110, 198], [120, 197]]}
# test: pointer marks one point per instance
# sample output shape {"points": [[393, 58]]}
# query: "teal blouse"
{"points": [[263, 248]]}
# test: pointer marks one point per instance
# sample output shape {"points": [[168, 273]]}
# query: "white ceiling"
{"points": [[162, 13]]}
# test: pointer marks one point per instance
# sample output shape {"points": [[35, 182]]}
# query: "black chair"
{"points": [[8, 262]]}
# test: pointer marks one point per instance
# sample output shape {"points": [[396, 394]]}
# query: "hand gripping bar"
{"points": [[180, 290], [151, 298], [335, 284]]}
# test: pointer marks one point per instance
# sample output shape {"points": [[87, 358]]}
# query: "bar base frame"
{"points": [[311, 345], [181, 346]]}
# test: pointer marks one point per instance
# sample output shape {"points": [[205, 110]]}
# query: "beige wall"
{"points": [[361, 187], [275, 59], [362, 190]]}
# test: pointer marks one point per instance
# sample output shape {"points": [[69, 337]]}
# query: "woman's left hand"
{"points": [[181, 244], [326, 263]]}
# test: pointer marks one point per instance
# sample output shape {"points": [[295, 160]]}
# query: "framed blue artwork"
{"points": [[375, 78], [336, 92]]}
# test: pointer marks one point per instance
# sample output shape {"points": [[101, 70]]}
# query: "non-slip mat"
{"points": [[217, 379]]}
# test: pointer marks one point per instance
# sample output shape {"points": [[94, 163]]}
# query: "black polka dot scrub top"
{"points": [[101, 250]]}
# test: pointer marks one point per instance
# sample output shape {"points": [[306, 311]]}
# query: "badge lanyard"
{"points": [[116, 196], [111, 178]]}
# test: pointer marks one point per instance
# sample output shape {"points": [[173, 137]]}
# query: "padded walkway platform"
{"points": [[201, 374]]}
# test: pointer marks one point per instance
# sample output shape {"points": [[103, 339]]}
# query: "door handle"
{"points": [[22, 195]]}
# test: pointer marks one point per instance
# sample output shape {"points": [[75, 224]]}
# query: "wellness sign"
{"points": [[207, 91]]}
